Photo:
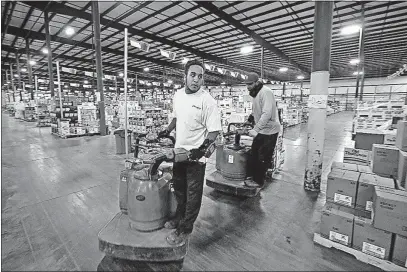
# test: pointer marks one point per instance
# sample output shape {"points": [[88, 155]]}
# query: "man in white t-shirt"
{"points": [[197, 123]]}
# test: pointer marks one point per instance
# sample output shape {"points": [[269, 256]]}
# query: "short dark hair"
{"points": [[193, 62]]}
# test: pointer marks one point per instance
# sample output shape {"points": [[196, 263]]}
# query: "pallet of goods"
{"points": [[366, 205]]}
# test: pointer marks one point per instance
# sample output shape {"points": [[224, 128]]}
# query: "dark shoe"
{"points": [[176, 238], [251, 183], [172, 224]]}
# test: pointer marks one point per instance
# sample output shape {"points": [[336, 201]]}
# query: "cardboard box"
{"points": [[364, 197], [385, 160], [365, 140], [390, 210], [402, 168], [370, 240], [337, 225], [354, 211], [401, 137], [344, 166], [342, 187], [356, 156], [400, 251], [365, 169]]}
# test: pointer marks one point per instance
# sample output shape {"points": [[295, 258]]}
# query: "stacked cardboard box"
{"points": [[391, 161], [348, 216]]}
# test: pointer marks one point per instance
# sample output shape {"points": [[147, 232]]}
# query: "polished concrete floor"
{"points": [[58, 193]]}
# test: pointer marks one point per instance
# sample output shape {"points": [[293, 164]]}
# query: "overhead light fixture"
{"points": [[45, 50], [283, 69], [15, 75], [246, 49], [355, 73], [121, 75], [223, 83], [300, 77], [86, 82], [23, 70], [33, 62], [69, 31], [146, 69], [352, 29], [170, 81], [185, 60], [354, 61]]}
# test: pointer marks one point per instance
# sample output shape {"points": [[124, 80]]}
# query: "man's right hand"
{"points": [[163, 133]]}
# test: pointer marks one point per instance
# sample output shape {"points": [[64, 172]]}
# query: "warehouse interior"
{"points": [[87, 85]]}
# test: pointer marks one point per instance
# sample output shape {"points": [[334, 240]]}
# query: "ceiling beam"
{"points": [[257, 38], [69, 11], [41, 36]]}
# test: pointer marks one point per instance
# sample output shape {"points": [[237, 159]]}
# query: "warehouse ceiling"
{"points": [[213, 32]]}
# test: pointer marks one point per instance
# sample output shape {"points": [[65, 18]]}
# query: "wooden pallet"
{"points": [[359, 255]]}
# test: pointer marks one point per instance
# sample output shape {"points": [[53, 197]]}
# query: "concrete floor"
{"points": [[58, 193]]}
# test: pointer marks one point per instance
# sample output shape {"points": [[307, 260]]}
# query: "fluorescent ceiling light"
{"points": [[283, 69], [45, 50], [352, 29], [86, 82], [223, 83], [355, 73], [33, 62], [15, 75], [354, 61], [185, 60], [121, 75], [246, 49], [69, 31], [23, 70], [300, 77], [170, 81], [146, 69]]}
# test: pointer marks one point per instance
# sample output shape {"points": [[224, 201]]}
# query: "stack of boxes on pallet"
{"points": [[365, 208]]}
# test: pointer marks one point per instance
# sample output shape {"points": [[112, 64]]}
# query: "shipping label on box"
{"points": [[385, 160], [400, 251], [337, 225], [342, 187], [389, 138], [370, 240], [389, 210], [356, 156]]}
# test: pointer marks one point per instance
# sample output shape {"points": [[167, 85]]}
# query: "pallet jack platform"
{"points": [[117, 240], [234, 187]]}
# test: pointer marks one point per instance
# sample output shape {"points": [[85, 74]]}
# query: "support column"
{"points": [[99, 70], [283, 94], [12, 82], [361, 56], [302, 93], [318, 95], [262, 63], [30, 74], [19, 76], [50, 68]]}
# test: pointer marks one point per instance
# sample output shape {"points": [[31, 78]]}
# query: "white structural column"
{"points": [[125, 93], [318, 94]]}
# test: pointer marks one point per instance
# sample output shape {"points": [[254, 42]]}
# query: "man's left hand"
{"points": [[252, 133], [196, 154]]}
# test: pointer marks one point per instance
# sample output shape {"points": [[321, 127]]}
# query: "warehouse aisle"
{"points": [[57, 194]]}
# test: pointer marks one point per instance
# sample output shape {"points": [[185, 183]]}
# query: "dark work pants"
{"points": [[261, 156], [188, 181]]}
